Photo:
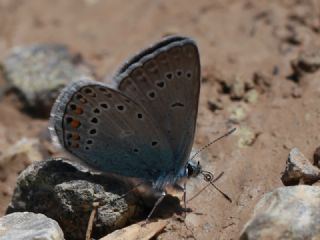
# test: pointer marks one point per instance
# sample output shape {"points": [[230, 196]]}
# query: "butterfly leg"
{"points": [[184, 196], [163, 194], [185, 199]]}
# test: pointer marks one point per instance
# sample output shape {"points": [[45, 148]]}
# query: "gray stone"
{"points": [[237, 88], [316, 157], [297, 34], [251, 96], [296, 92], [286, 213], [246, 137], [307, 62], [66, 192], [262, 82], [237, 113], [299, 170], [40, 71], [214, 105], [29, 226]]}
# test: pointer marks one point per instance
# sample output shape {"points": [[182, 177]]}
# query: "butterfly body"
{"points": [[144, 126]]}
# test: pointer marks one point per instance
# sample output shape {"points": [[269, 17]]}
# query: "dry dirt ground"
{"points": [[246, 49]]}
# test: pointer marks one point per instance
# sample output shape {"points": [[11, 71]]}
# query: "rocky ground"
{"points": [[260, 62]]}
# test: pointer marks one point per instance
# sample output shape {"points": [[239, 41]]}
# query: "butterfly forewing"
{"points": [[111, 132], [165, 81]]}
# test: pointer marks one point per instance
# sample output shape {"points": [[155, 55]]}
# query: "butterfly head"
{"points": [[193, 168]]}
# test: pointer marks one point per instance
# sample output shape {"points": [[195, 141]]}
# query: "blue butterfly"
{"points": [[144, 126]]}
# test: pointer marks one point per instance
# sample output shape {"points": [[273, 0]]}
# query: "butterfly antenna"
{"points": [[204, 188], [212, 142], [208, 177]]}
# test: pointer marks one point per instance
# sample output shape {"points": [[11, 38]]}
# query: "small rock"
{"points": [[27, 149], [38, 73], [297, 34], [238, 113], [262, 82], [65, 192], [316, 157], [246, 137], [306, 16], [211, 74], [138, 231], [296, 92], [214, 105], [29, 226], [307, 62], [286, 213], [251, 96], [292, 34], [299, 170], [237, 88]]}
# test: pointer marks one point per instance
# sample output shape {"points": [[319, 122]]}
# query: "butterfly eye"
{"points": [[154, 143]]}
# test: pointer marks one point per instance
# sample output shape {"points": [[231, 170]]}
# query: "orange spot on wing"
{"points": [[79, 110], [75, 136], [75, 123], [75, 145]]}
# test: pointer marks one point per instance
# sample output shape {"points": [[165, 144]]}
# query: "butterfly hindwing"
{"points": [[109, 131]]}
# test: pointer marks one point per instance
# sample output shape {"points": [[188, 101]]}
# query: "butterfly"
{"points": [[144, 125]]}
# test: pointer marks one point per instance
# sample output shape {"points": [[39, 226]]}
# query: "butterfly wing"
{"points": [[165, 80], [110, 132]]}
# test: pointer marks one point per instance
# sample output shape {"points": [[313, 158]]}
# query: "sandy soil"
{"points": [[239, 42]]}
